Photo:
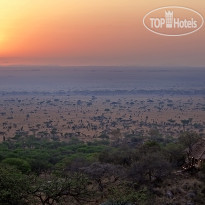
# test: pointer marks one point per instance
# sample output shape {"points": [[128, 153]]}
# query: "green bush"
{"points": [[19, 164], [14, 186]]}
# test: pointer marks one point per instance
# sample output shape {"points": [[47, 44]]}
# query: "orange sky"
{"points": [[93, 32]]}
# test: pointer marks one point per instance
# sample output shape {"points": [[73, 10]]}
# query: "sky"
{"points": [[93, 32]]}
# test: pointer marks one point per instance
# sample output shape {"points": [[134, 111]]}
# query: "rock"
{"points": [[169, 194], [191, 194]]}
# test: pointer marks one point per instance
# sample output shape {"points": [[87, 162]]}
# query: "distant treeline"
{"points": [[106, 92]]}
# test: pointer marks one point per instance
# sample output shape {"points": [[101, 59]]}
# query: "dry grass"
{"points": [[67, 115]]}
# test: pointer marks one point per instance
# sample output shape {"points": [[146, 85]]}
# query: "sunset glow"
{"points": [[89, 32]]}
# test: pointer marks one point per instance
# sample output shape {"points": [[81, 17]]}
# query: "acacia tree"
{"points": [[61, 189], [150, 166], [174, 152], [188, 139], [103, 174]]}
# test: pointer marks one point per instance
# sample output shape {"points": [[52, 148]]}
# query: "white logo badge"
{"points": [[173, 21]]}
